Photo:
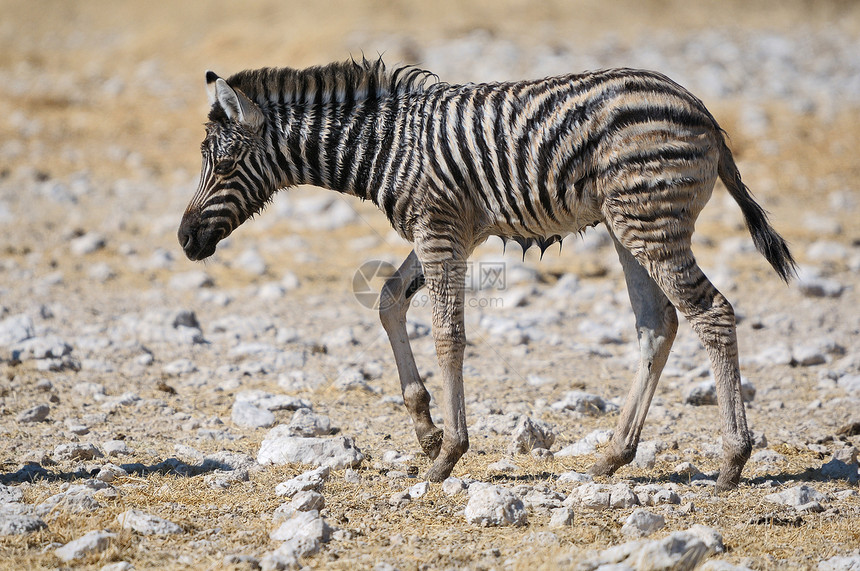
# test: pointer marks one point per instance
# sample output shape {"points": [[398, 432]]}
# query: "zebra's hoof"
{"points": [[431, 443]]}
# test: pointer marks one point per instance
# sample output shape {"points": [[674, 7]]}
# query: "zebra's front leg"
{"points": [[445, 281], [393, 305]]}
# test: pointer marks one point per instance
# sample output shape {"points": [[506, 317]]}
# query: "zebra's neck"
{"points": [[354, 147]]}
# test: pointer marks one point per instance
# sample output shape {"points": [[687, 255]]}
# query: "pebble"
{"points": [[495, 506], [303, 501], [93, 542], [642, 523], [116, 448], [87, 244], [146, 523], [796, 496], [561, 517], [247, 415], [678, 550], [312, 480], [302, 534], [279, 447], [18, 519], [585, 403], [76, 451], [588, 444], [37, 413], [251, 261], [840, 563], [530, 434], [705, 393], [307, 423], [193, 280], [16, 329], [503, 466], [453, 486], [842, 466], [601, 496]]}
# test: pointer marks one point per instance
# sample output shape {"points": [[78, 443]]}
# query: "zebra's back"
{"points": [[539, 158]]}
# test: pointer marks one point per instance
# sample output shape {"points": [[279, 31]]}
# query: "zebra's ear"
{"points": [[211, 78], [236, 104]]}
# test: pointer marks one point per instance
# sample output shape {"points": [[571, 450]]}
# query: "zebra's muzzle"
{"points": [[198, 240]]}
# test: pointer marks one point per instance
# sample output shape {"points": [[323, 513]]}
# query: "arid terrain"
{"points": [[133, 379]]}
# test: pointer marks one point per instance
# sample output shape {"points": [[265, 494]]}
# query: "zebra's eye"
{"points": [[225, 166]]}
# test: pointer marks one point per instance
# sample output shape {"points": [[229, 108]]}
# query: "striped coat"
{"points": [[450, 165]]}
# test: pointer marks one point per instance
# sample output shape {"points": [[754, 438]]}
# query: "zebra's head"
{"points": [[234, 181]]}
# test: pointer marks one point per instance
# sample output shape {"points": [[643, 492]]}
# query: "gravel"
{"points": [[136, 382]]}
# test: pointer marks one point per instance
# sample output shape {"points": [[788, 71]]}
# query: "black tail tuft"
{"points": [[770, 244]]}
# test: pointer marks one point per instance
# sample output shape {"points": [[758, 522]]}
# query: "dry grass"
{"points": [[82, 44]]}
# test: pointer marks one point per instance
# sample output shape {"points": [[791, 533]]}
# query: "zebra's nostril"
{"points": [[185, 237]]}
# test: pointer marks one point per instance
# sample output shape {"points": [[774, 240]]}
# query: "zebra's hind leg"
{"points": [[393, 305], [672, 266], [656, 324], [713, 319]]}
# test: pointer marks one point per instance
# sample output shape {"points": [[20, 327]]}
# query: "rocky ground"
{"points": [[245, 412]]}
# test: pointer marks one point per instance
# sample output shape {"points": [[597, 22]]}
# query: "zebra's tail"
{"points": [[771, 245]]}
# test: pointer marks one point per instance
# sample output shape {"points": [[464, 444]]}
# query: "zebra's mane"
{"points": [[350, 80]]}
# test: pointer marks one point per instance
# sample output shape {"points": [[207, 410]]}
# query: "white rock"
{"points": [[146, 524], [642, 523], [92, 542], [453, 486], [767, 457], [840, 563], [116, 448], [306, 423], [311, 480], [303, 501], [495, 506], [589, 496], [37, 413], [279, 447], [796, 496], [87, 244], [585, 403], [576, 477], [679, 550], [586, 445], [712, 538], [192, 280], [10, 494], [251, 261], [118, 566], [621, 496], [530, 434], [303, 525], [687, 469], [270, 401], [49, 347], [110, 472], [850, 383], [16, 329], [17, 519], [76, 451], [249, 416], [503, 466], [655, 494], [419, 489], [561, 517]]}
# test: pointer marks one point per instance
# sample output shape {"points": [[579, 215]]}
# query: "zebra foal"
{"points": [[451, 165]]}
